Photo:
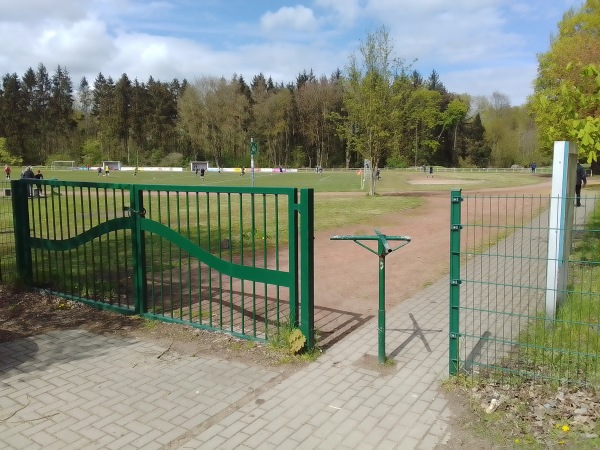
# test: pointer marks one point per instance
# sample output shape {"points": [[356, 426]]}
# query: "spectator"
{"points": [[581, 181], [28, 173], [39, 176]]}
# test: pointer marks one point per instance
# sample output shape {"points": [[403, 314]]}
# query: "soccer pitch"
{"points": [[329, 181]]}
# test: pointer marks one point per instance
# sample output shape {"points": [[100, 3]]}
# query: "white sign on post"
{"points": [[560, 224]]}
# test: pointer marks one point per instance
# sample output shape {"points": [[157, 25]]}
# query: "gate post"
{"points": [[20, 205], [455, 228], [307, 266]]}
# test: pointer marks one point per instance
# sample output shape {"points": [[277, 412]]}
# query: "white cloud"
{"points": [[297, 18], [468, 42], [73, 45], [29, 11], [346, 11]]}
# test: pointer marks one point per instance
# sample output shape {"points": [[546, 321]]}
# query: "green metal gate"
{"points": [[238, 260]]}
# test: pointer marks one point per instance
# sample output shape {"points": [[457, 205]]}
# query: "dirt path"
{"points": [[346, 275]]}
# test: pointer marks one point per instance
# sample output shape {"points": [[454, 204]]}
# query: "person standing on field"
{"points": [[28, 173], [581, 181], [7, 172], [39, 176]]}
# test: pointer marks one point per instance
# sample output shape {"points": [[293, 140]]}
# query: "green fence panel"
{"points": [[237, 260], [499, 263]]}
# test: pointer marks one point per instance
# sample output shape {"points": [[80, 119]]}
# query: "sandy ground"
{"points": [[346, 275]]}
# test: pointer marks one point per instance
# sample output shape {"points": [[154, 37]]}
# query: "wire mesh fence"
{"points": [[499, 292]]}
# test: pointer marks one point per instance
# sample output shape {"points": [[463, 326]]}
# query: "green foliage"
{"points": [[91, 152], [172, 160], [562, 97], [397, 162], [5, 155], [581, 111]]}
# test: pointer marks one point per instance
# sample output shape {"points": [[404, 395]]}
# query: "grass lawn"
{"points": [[330, 181]]}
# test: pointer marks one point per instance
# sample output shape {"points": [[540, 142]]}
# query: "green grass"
{"points": [[329, 181]]}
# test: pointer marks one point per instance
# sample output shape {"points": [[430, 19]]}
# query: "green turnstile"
{"points": [[383, 249]]}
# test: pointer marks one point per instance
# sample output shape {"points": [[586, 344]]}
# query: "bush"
{"points": [[397, 162], [172, 160]]}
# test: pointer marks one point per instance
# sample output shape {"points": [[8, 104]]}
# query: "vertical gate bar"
{"points": [[455, 227], [170, 246], [35, 212], [52, 254], [126, 242], [121, 281], [265, 262], [307, 275], [161, 255], [107, 247], [277, 291], [209, 248], [153, 253], [242, 296], [219, 252], [68, 255], [178, 214], [46, 254], [63, 276], [79, 264], [198, 239], [230, 256], [189, 258], [253, 242], [112, 236], [92, 246], [100, 251], [293, 237]]}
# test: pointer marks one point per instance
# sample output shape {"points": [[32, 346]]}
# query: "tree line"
{"points": [[379, 108]]}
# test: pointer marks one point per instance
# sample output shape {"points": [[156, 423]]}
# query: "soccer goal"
{"points": [[198, 165], [112, 165], [62, 165]]}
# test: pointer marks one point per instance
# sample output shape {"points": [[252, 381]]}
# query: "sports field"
{"points": [[329, 181]]}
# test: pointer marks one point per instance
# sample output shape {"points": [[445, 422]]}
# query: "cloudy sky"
{"points": [[477, 46]]}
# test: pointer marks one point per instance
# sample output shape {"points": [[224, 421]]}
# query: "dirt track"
{"points": [[346, 275]]}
